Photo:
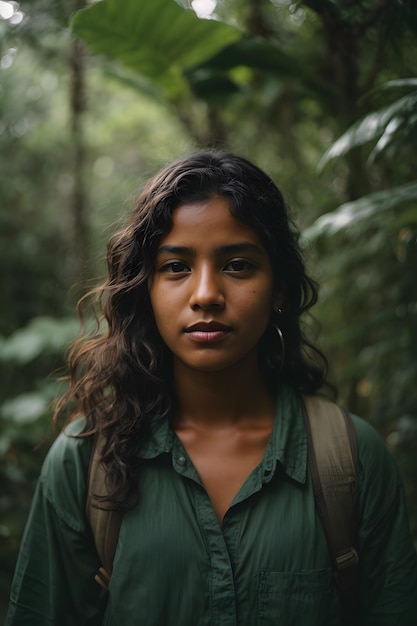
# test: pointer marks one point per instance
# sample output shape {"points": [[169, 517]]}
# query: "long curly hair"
{"points": [[120, 376]]}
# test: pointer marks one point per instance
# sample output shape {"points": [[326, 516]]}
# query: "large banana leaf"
{"points": [[156, 38], [353, 214]]}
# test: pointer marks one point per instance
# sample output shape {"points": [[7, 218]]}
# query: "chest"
{"points": [[175, 565], [224, 460]]}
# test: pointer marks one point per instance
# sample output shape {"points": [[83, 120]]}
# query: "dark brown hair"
{"points": [[120, 376]]}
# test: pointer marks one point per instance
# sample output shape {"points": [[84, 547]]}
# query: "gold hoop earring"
{"points": [[282, 342]]}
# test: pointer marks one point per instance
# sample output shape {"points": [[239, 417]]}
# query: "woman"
{"points": [[195, 382]]}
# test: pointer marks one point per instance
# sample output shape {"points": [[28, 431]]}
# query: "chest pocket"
{"points": [[297, 599]]}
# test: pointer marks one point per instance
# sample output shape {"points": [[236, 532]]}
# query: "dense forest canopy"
{"points": [[320, 93]]}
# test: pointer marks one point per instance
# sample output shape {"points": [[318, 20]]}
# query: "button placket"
{"points": [[223, 593]]}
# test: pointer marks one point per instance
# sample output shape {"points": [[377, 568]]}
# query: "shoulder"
{"points": [[389, 564], [380, 482], [64, 474], [373, 453], [69, 451]]}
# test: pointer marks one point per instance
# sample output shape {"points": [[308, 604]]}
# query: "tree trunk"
{"points": [[79, 197]]}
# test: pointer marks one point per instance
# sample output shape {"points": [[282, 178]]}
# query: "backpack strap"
{"points": [[333, 460], [105, 523]]}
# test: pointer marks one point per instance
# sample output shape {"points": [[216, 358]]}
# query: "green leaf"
{"points": [[267, 56], [41, 335], [387, 137], [212, 86], [253, 52], [156, 38], [26, 408], [352, 213], [371, 127], [400, 83], [134, 81]]}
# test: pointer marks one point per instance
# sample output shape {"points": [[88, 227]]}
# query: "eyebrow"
{"points": [[231, 248]]}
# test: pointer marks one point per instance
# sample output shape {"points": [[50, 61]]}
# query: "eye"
{"points": [[239, 265], [175, 267]]}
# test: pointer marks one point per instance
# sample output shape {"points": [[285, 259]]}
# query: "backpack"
{"points": [[333, 462]]}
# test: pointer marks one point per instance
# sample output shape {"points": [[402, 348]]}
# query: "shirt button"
{"points": [[182, 460]]}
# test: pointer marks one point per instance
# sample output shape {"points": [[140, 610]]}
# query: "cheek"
{"points": [[165, 307], [257, 308], [261, 298], [157, 303]]}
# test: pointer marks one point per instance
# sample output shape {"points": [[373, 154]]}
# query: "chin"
{"points": [[213, 366]]}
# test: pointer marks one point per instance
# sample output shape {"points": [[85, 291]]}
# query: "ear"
{"points": [[279, 300]]}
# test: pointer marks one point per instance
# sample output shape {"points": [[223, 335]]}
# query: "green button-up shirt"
{"points": [[266, 565]]}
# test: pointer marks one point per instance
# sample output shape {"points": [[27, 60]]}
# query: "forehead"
{"points": [[209, 223]]}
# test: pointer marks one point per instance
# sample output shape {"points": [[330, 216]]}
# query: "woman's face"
{"points": [[212, 289]]}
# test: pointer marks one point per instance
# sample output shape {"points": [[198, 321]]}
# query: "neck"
{"points": [[221, 399]]}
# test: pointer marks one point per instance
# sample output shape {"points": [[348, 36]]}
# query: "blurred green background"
{"points": [[96, 96]]}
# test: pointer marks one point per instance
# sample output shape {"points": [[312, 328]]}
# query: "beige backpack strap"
{"points": [[333, 464], [104, 523]]}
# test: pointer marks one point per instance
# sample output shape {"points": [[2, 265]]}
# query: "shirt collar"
{"points": [[288, 441], [287, 444]]}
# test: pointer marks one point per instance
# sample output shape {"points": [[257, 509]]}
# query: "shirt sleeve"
{"points": [[54, 577], [388, 584]]}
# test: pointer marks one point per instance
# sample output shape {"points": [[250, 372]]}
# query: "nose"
{"points": [[207, 291]]}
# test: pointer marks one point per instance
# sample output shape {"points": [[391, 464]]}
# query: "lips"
{"points": [[207, 332], [207, 327]]}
